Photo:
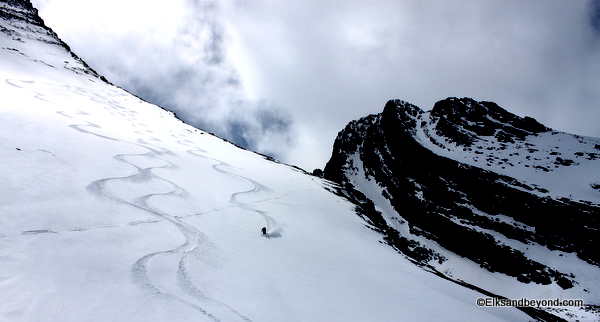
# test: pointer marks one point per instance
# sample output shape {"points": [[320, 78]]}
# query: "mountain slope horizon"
{"points": [[113, 209]]}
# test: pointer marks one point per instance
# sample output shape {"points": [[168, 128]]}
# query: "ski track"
{"points": [[141, 269], [233, 200]]}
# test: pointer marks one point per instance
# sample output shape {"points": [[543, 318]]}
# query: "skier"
{"points": [[264, 230]]}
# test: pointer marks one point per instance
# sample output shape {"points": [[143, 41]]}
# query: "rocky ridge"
{"points": [[470, 181]]}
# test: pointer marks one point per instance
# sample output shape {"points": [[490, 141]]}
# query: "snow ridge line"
{"points": [[140, 269]]}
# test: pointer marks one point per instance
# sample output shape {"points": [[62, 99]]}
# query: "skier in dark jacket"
{"points": [[264, 230]]}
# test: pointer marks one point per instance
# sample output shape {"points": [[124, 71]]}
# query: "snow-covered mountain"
{"points": [[479, 195], [113, 209]]}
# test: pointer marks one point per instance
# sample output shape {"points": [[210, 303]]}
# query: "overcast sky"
{"points": [[283, 77]]}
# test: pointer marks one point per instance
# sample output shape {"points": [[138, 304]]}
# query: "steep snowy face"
{"points": [[25, 35], [472, 190]]}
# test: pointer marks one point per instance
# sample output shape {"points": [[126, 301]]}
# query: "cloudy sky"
{"points": [[283, 77]]}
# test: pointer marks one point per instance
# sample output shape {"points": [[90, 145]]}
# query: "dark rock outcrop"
{"points": [[457, 205]]}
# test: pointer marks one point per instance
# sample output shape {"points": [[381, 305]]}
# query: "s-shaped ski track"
{"points": [[141, 275]]}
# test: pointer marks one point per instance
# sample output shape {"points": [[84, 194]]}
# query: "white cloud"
{"points": [[316, 65], [333, 63]]}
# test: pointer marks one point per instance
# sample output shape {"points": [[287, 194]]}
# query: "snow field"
{"points": [[112, 209]]}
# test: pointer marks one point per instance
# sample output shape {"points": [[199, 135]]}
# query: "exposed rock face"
{"points": [[470, 179], [463, 120], [20, 10], [20, 21]]}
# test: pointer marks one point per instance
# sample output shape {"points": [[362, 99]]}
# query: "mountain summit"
{"points": [[472, 191]]}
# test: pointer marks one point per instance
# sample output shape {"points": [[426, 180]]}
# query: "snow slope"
{"points": [[113, 209]]}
